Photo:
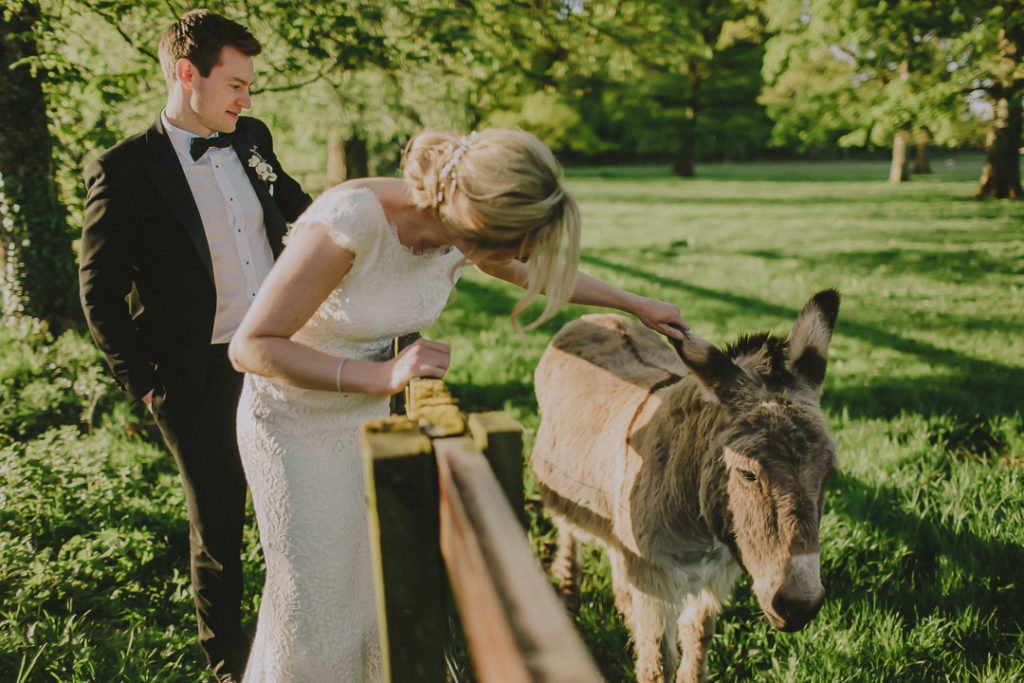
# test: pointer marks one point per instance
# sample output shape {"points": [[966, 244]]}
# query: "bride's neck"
{"points": [[421, 231], [418, 229]]}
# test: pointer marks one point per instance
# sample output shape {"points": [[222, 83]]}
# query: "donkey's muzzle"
{"points": [[794, 613]]}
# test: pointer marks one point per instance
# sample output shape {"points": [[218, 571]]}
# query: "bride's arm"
{"points": [[660, 316], [305, 274]]}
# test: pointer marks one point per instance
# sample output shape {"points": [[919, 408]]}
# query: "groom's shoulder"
{"points": [[123, 154], [252, 126], [125, 149]]}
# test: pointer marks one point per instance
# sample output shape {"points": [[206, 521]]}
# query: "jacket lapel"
{"points": [[274, 223], [166, 171]]}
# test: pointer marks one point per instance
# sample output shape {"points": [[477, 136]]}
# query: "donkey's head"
{"points": [[762, 489]]}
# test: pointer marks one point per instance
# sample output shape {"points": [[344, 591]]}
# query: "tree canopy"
{"points": [[876, 72], [347, 82]]}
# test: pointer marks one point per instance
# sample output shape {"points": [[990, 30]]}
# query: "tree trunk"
{"points": [[687, 155], [1001, 176], [922, 164], [898, 166], [684, 163], [335, 158], [39, 276], [356, 158], [347, 158]]}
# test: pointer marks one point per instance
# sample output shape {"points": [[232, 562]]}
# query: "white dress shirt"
{"points": [[233, 221]]}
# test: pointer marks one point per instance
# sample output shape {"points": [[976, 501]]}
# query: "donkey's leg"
{"points": [[566, 566], [696, 627], [648, 623], [620, 584], [669, 648], [644, 590]]}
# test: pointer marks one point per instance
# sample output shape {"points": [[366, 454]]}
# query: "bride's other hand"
{"points": [[660, 316], [422, 358]]}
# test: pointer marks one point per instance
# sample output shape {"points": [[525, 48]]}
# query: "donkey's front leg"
{"points": [[652, 636], [696, 626]]}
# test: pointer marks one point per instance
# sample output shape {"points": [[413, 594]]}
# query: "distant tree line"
{"points": [[599, 80]]}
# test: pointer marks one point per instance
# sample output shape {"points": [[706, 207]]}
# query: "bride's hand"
{"points": [[660, 316], [422, 358]]}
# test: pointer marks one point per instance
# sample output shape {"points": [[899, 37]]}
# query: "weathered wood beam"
{"points": [[515, 626], [500, 439], [403, 520]]}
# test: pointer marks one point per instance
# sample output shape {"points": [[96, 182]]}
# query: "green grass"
{"points": [[922, 536]]}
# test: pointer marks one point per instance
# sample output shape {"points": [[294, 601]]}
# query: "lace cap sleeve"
{"points": [[350, 216]]}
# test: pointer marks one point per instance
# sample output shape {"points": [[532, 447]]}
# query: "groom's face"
{"points": [[218, 99]]}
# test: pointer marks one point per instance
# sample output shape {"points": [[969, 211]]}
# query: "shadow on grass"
{"points": [[769, 197], [958, 391], [784, 171], [927, 571], [960, 384], [970, 265], [947, 567], [479, 307], [919, 566], [476, 397]]}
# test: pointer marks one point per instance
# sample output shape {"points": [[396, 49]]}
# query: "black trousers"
{"points": [[198, 424]]}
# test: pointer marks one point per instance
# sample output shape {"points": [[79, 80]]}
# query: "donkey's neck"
{"points": [[688, 435]]}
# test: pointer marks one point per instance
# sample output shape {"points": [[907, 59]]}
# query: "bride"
{"points": [[372, 259]]}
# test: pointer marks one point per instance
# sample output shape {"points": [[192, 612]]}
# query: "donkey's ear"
{"points": [[714, 369], [812, 333]]}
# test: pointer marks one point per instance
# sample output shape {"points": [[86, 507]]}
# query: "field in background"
{"points": [[922, 535]]}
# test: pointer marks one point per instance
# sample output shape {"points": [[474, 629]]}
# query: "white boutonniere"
{"points": [[263, 168]]}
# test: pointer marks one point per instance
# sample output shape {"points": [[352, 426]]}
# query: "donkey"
{"points": [[687, 473]]}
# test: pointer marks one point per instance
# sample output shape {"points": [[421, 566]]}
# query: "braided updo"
{"points": [[500, 189]]}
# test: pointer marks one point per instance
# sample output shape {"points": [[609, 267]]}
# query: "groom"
{"points": [[182, 223]]}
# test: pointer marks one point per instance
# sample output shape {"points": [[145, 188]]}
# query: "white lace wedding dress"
{"points": [[300, 448]]}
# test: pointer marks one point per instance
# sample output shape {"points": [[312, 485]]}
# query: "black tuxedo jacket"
{"points": [[146, 274]]}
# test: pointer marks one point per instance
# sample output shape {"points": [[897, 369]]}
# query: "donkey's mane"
{"points": [[772, 353]]}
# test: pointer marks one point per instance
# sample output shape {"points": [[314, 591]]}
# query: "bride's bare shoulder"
{"points": [[382, 187]]}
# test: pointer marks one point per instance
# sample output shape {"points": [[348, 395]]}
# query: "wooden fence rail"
{"points": [[439, 516]]}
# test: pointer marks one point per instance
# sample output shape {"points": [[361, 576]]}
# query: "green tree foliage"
{"points": [[620, 80], [594, 79], [859, 73], [365, 71], [39, 277], [333, 60], [865, 72], [691, 68], [523, 66]]}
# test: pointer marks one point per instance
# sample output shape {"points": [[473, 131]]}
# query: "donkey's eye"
{"points": [[748, 476]]}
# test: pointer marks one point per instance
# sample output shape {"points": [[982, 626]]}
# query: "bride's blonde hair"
{"points": [[498, 190]]}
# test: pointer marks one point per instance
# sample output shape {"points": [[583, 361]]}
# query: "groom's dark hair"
{"points": [[199, 37]]}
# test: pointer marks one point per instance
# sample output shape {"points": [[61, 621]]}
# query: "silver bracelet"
{"points": [[337, 374]]}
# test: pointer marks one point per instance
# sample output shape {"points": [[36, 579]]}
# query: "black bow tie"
{"points": [[197, 146]]}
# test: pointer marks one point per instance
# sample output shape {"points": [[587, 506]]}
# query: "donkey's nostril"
{"points": [[795, 612]]}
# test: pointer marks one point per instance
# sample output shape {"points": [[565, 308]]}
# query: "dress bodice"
{"points": [[389, 290]]}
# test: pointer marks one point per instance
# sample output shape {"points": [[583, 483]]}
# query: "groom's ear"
{"points": [[186, 72]]}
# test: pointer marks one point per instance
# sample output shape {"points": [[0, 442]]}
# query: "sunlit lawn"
{"points": [[923, 557], [922, 537]]}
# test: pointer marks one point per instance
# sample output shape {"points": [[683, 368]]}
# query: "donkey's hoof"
{"points": [[570, 595]]}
